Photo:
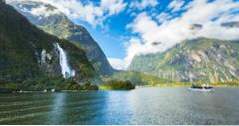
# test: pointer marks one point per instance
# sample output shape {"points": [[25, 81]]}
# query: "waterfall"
{"points": [[66, 71]]}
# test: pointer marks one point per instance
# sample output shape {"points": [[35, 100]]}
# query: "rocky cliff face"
{"points": [[2, 1], [200, 59], [51, 20], [27, 52]]}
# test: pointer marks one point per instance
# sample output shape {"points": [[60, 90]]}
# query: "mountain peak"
{"points": [[36, 8], [56, 23], [28, 53], [203, 58]]}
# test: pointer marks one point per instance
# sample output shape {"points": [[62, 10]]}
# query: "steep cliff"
{"points": [[199, 59], [53, 21], [27, 52]]}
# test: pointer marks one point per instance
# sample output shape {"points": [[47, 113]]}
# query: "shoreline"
{"points": [[184, 85], [136, 87]]}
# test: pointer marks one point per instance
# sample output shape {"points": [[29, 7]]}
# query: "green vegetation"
{"points": [[42, 83], [137, 78], [21, 46], [174, 84], [226, 84], [117, 85], [89, 86], [199, 83], [142, 79], [208, 60], [79, 61], [59, 25]]}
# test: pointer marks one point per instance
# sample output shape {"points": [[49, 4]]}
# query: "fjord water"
{"points": [[140, 106]]}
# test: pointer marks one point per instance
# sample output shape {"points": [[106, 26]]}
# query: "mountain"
{"points": [[51, 20], [200, 59], [137, 78], [29, 53]]}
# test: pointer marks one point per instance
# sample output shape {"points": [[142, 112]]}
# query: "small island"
{"points": [[117, 85]]}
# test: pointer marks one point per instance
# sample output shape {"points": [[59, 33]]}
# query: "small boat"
{"points": [[203, 87]]}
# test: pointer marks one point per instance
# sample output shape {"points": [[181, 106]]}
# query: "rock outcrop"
{"points": [[199, 59]]}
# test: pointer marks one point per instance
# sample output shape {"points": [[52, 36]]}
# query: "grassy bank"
{"points": [[45, 84], [189, 84], [70, 85], [174, 84], [226, 84]]}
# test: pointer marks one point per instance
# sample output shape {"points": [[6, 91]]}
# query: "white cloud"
{"points": [[135, 47], [143, 4], [113, 6], [172, 31], [117, 63], [163, 17], [162, 28], [91, 13], [43, 11], [176, 5]]}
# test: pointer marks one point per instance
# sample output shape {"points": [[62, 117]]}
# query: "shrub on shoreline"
{"points": [[45, 83], [117, 85]]}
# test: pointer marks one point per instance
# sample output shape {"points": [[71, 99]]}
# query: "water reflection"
{"points": [[117, 108], [57, 109], [140, 106]]}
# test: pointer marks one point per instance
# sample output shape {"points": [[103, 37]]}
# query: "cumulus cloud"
{"points": [[113, 6], [143, 4], [90, 12], [176, 5], [159, 31], [163, 17], [169, 32], [43, 11]]}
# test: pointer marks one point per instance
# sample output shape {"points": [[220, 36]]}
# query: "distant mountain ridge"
{"points": [[56, 23], [29, 53], [199, 59]]}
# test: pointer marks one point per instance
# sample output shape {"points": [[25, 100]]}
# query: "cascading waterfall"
{"points": [[66, 71]]}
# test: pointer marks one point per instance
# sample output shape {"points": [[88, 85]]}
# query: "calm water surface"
{"points": [[140, 106]]}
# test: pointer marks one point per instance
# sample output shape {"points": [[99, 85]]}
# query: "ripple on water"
{"points": [[140, 106]]}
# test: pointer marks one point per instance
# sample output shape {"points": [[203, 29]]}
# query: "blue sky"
{"points": [[127, 28], [117, 32], [114, 34]]}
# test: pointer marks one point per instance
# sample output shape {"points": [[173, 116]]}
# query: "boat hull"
{"points": [[201, 89]]}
